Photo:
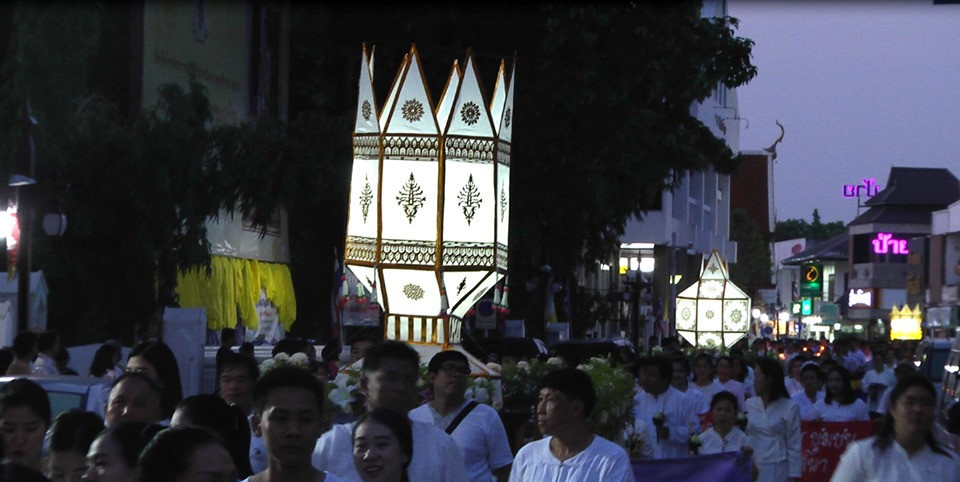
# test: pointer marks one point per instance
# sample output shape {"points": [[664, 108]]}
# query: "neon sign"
{"points": [[860, 298], [853, 190], [884, 243]]}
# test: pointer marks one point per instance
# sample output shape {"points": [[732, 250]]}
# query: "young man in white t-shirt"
{"points": [[389, 381], [475, 427], [570, 451]]}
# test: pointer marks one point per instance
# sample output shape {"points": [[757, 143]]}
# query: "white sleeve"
{"points": [[498, 447], [620, 470], [793, 439], [516, 471], [863, 413], [850, 468]]}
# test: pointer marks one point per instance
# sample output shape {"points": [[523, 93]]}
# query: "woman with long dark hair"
{"points": [[840, 403], [227, 422], [105, 361], [383, 446], [904, 447], [156, 360], [773, 425]]}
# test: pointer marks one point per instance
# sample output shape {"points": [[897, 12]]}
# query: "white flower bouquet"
{"points": [[298, 360]]}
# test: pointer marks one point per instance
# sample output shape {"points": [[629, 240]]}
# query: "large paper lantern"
{"points": [[430, 197], [713, 311]]}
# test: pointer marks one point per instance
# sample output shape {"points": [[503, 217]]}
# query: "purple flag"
{"points": [[725, 467]]}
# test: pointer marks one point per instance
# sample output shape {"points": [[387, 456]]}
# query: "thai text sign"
{"points": [[853, 190], [824, 443], [885, 243]]}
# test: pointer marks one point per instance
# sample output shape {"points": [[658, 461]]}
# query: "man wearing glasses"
{"points": [[475, 427]]}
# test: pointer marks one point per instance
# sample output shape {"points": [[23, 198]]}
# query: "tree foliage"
{"points": [[752, 271], [800, 228]]}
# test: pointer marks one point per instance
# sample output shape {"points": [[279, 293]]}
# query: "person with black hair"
{"points": [[383, 446], [105, 361], [48, 344], [671, 412], [6, 358], [724, 435], [569, 451], [228, 422], [156, 360], [24, 352], [726, 380], [113, 455], [237, 376], [133, 398], [186, 454], [68, 440], [703, 377], [24, 418], [773, 425], [840, 403], [330, 359], [812, 379], [901, 372], [389, 381], [475, 427], [681, 381], [288, 413], [904, 448], [362, 345], [63, 363]]}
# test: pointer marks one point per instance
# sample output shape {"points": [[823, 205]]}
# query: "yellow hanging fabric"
{"points": [[233, 289]]}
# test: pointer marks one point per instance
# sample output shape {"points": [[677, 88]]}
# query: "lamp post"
{"points": [[24, 175]]}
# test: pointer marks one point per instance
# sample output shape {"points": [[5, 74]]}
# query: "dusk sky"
{"points": [[859, 87]]}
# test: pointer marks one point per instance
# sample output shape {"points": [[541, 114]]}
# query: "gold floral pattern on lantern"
{"points": [[412, 110], [413, 291]]}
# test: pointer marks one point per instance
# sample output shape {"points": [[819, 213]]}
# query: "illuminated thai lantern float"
{"points": [[429, 198], [713, 312], [905, 323]]}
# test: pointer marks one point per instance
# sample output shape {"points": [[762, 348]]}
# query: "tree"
{"points": [[800, 228]]}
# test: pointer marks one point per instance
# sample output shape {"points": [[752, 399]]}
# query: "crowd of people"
{"points": [[275, 425]]}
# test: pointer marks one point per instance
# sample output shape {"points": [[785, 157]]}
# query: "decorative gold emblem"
{"points": [[470, 113], [413, 291], [469, 199], [366, 197], [366, 110], [412, 110], [411, 198]]}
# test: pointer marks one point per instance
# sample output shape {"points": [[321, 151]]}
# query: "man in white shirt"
{"points": [[672, 413], [48, 344], [389, 380], [475, 427], [570, 452]]}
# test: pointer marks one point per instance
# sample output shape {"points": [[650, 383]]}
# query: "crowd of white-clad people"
{"points": [[273, 425]]}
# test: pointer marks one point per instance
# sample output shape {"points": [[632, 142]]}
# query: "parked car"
{"points": [[72, 392], [575, 352], [497, 349]]}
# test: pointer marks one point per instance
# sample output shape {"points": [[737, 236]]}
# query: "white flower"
{"points": [[267, 365], [341, 396], [299, 358], [494, 367], [282, 357], [555, 361], [522, 365]]}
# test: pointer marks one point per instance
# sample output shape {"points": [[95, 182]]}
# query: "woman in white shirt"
{"points": [[773, 425], [841, 403], [725, 378], [703, 380], [806, 400], [904, 448]]}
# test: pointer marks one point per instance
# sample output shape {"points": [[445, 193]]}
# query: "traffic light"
{"points": [[811, 279], [806, 307]]}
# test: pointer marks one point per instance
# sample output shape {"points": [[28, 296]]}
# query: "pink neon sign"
{"points": [[853, 190], [884, 243]]}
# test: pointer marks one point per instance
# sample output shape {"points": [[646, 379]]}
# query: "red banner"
{"points": [[824, 443]]}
